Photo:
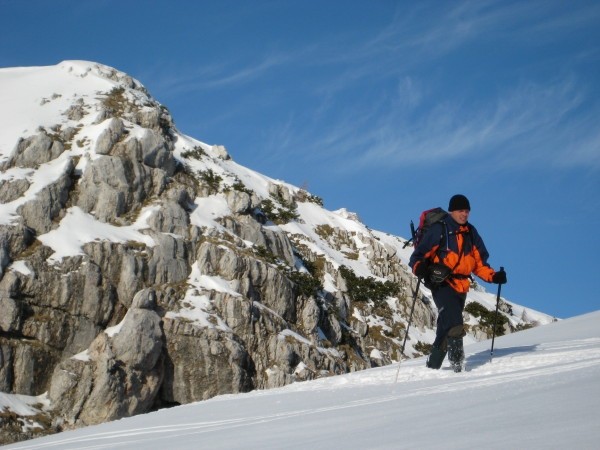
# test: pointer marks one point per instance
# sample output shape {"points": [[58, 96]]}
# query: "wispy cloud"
{"points": [[530, 120], [215, 75], [532, 124], [385, 100], [243, 75]]}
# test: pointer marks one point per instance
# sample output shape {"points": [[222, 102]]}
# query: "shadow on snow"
{"points": [[484, 357]]}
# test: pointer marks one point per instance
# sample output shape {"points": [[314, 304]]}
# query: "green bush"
{"points": [[523, 326], [278, 215], [306, 283], [265, 254], [315, 199], [211, 179], [311, 267], [422, 347], [241, 187], [268, 207], [324, 231], [115, 101], [487, 318], [361, 289], [195, 153], [305, 196], [477, 309]]}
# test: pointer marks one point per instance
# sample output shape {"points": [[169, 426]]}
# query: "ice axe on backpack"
{"points": [[413, 234], [495, 318]]}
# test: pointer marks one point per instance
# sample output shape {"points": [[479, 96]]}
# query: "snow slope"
{"points": [[541, 390]]}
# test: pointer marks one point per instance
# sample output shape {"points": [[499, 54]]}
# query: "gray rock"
{"points": [[155, 152], [219, 363], [311, 315], [112, 186], [220, 152], [238, 202], [12, 190], [120, 378], [139, 342], [281, 192], [274, 241], [144, 299], [76, 111], [110, 136], [10, 319], [36, 150], [169, 262], [170, 218], [14, 239], [39, 213], [258, 281]]}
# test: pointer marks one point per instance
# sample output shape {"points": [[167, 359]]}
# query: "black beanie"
{"points": [[458, 202]]}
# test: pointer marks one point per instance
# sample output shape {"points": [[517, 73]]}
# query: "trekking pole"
{"points": [[495, 317], [408, 327]]}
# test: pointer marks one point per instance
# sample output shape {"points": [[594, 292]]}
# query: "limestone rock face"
{"points": [[120, 374], [140, 268], [221, 364]]}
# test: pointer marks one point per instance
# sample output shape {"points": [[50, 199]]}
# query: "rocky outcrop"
{"points": [[121, 373], [221, 363], [35, 150], [113, 186]]}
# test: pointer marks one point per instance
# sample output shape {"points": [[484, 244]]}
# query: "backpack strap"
{"points": [[444, 239], [469, 234]]}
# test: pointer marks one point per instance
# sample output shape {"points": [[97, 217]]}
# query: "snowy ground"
{"points": [[541, 390]]}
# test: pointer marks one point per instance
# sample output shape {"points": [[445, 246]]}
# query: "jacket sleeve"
{"points": [[480, 252], [427, 246]]}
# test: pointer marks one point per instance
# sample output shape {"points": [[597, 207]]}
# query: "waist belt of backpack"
{"points": [[460, 276]]}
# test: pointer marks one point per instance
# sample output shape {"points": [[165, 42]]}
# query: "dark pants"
{"points": [[450, 305]]}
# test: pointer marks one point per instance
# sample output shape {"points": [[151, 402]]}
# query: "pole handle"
{"points": [[495, 317]]}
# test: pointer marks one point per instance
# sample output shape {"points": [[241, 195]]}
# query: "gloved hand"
{"points": [[422, 268], [499, 277]]}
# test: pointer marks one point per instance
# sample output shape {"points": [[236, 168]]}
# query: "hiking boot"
{"points": [[436, 358], [456, 353]]}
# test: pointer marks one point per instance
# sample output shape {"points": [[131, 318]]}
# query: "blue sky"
{"points": [[383, 107]]}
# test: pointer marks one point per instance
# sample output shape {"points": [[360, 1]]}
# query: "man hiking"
{"points": [[446, 256]]}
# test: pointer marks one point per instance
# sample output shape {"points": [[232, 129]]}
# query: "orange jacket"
{"points": [[457, 246]]}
